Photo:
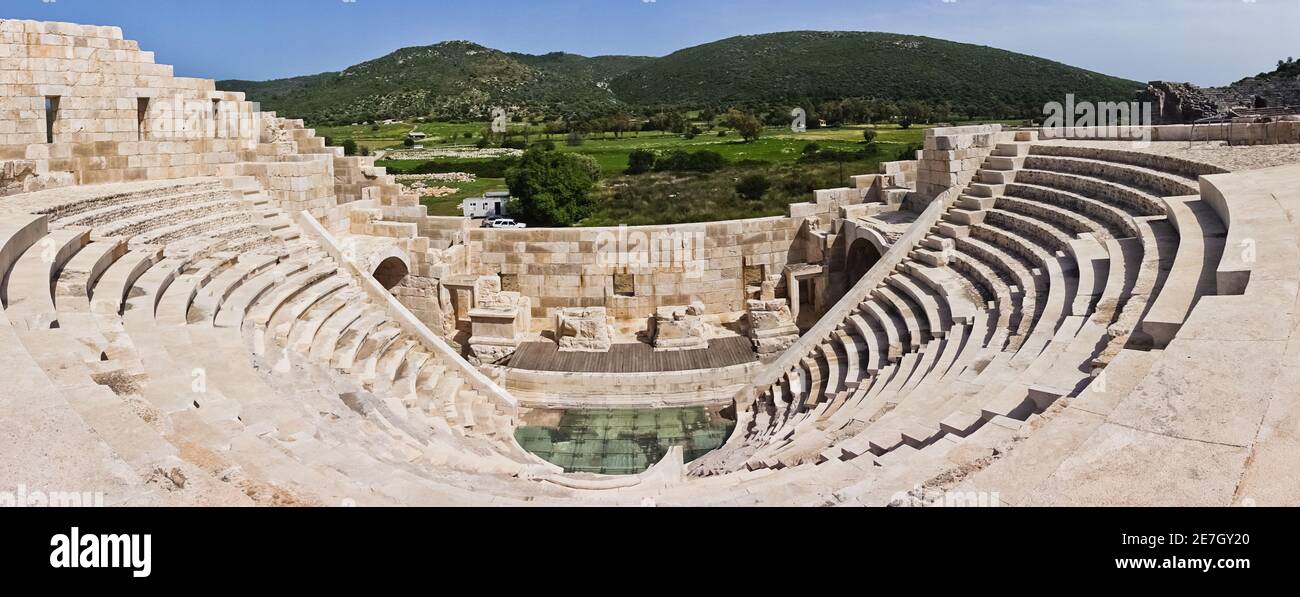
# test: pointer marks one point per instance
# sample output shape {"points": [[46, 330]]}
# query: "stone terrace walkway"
{"points": [[633, 358]]}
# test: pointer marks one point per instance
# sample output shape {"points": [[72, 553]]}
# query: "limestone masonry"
{"points": [[203, 304]]}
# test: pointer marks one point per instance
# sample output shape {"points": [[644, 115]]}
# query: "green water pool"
{"points": [[621, 442]]}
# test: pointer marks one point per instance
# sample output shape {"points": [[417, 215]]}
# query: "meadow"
{"points": [[662, 197]]}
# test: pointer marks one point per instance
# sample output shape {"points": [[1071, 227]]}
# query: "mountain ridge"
{"points": [[464, 79]]}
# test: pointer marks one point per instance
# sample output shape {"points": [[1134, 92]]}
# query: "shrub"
{"points": [[551, 188], [753, 187], [468, 135], [573, 140], [349, 147], [640, 161], [409, 142], [811, 149], [589, 164], [482, 142], [691, 161], [544, 145], [905, 123], [869, 135], [514, 143]]}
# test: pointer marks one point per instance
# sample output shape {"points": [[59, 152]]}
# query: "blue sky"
{"points": [[1209, 42]]}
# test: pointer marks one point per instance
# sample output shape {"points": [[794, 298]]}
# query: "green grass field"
{"points": [[663, 198], [777, 145], [390, 136]]}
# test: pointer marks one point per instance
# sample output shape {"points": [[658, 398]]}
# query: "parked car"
{"points": [[504, 223]]}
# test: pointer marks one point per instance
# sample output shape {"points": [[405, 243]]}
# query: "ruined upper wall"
{"points": [[99, 80], [81, 105]]}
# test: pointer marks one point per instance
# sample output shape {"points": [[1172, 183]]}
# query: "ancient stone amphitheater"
{"points": [[204, 304]]}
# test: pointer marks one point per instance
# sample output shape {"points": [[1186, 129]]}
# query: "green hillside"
{"points": [[464, 80], [809, 65], [455, 79]]}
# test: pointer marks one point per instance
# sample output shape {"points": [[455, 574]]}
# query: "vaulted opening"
{"points": [[391, 272]]}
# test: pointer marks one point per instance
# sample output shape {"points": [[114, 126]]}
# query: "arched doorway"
{"points": [[863, 255], [391, 272]]}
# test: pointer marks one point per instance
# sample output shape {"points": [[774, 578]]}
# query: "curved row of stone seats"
{"points": [[69, 204], [144, 364], [268, 300], [1209, 420], [1156, 182], [1051, 296], [38, 412], [1129, 251], [1163, 164]]}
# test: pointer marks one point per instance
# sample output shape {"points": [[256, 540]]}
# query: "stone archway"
{"points": [[391, 272], [863, 255]]}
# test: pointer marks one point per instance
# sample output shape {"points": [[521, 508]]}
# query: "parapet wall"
{"points": [[1237, 133]]}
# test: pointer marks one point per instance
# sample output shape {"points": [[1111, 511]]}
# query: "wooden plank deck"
{"points": [[633, 358]]}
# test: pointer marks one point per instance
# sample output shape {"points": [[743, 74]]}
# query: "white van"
{"points": [[503, 223]]}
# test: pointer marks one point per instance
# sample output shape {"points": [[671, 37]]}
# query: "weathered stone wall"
{"points": [[565, 268], [552, 389], [120, 117], [952, 155]]}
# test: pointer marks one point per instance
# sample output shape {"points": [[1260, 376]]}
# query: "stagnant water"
{"points": [[621, 441]]}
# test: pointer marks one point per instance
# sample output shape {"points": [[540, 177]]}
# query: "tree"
{"points": [[753, 187], [869, 135], [916, 111], [746, 124], [551, 188], [349, 147], [640, 161], [885, 111]]}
